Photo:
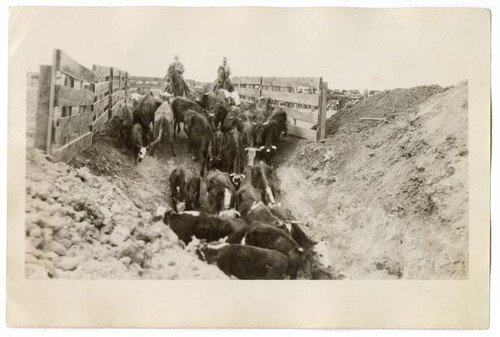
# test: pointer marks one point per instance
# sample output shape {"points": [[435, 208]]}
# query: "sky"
{"points": [[349, 48]]}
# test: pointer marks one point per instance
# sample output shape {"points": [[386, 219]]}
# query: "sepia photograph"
{"points": [[293, 144]]}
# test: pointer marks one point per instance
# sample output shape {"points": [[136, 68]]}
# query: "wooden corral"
{"points": [[303, 99], [74, 102]]}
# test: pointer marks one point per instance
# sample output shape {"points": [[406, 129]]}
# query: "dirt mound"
{"points": [[389, 196], [386, 104], [79, 225]]}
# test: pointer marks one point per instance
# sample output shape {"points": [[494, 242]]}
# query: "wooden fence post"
{"points": [[42, 109], [56, 60], [321, 129], [111, 79], [126, 88]]}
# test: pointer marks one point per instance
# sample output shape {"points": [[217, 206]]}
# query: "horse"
{"points": [[177, 85]]}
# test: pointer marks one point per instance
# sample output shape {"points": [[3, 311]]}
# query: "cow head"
{"points": [[230, 121], [141, 154], [237, 179], [300, 263], [251, 154], [321, 254], [209, 252]]}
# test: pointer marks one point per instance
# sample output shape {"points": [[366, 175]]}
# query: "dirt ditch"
{"points": [[390, 198]]}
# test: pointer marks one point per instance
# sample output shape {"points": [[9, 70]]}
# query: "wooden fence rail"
{"points": [[74, 102], [303, 99]]}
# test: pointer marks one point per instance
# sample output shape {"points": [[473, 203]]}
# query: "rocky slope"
{"points": [[79, 225]]}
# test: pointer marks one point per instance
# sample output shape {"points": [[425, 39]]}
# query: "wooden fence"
{"points": [[303, 99], [74, 102]]}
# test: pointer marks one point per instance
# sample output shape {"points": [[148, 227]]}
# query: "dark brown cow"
{"points": [[216, 105], [234, 152], [205, 226], [231, 120], [177, 181], [200, 136], [136, 142], [216, 152], [180, 105], [270, 237], [247, 128], [247, 262], [144, 114], [246, 197]]}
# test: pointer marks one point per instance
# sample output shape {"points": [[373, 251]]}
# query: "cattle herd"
{"points": [[244, 230]]}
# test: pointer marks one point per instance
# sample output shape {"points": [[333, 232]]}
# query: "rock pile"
{"points": [[82, 226]]}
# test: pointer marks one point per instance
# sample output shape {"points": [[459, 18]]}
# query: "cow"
{"points": [[246, 197], [217, 106], [247, 128], [144, 114], [233, 153], [292, 226], [205, 226], [268, 133], [136, 142], [231, 120], [216, 150], [258, 211], [261, 179], [271, 237], [177, 181], [180, 105], [135, 98], [251, 155], [127, 122], [192, 190], [282, 213], [163, 128], [185, 186], [246, 262], [200, 136], [221, 192]]}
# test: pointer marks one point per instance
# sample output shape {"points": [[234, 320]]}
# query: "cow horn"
{"points": [[274, 147], [246, 149], [231, 175], [254, 123], [242, 176], [265, 123], [262, 148]]}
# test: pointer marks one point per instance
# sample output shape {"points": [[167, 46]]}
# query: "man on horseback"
{"points": [[223, 81], [176, 84]]}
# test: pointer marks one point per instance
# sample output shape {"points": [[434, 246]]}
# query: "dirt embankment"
{"points": [[391, 197]]}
